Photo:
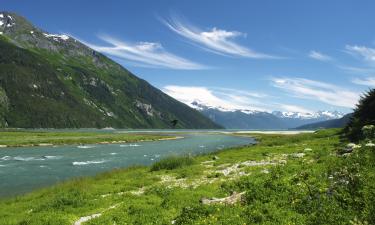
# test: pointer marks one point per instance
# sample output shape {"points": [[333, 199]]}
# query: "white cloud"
{"points": [[367, 54], [369, 81], [215, 40], [224, 98], [319, 56], [147, 53], [316, 90], [294, 108], [356, 70]]}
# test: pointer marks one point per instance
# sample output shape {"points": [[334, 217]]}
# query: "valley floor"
{"points": [[27, 138], [284, 179]]}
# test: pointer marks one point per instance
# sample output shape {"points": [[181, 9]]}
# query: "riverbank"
{"points": [[51, 138], [299, 179]]}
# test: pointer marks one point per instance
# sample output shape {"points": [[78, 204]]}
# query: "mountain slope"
{"points": [[51, 80], [240, 120], [335, 123]]}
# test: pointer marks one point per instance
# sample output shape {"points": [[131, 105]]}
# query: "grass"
{"points": [[281, 186], [172, 162], [31, 138]]}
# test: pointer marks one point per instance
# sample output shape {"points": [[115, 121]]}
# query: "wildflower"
{"points": [[353, 145]]}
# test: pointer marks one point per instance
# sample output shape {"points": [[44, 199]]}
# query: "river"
{"points": [[27, 168]]}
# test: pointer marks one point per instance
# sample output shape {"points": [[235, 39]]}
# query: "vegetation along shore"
{"points": [[44, 138]]}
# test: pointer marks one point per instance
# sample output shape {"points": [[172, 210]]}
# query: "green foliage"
{"points": [[368, 132], [172, 162], [363, 115]]}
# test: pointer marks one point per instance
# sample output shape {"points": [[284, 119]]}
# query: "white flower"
{"points": [[353, 146], [370, 144]]}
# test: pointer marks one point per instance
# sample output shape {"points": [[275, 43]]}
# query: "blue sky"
{"points": [[258, 55]]}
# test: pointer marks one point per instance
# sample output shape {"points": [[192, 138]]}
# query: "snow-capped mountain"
{"points": [[319, 114], [253, 119]]}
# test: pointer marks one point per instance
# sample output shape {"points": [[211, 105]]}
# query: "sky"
{"points": [[264, 55]]}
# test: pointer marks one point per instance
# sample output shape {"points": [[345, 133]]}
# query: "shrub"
{"points": [[368, 131], [172, 162]]}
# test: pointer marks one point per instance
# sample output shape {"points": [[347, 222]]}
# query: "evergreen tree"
{"points": [[363, 115]]}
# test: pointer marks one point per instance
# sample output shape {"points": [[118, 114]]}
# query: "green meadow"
{"points": [[15, 138], [284, 179]]}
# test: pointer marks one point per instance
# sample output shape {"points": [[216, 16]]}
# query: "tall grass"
{"points": [[172, 162]]}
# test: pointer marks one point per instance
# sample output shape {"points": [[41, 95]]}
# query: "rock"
{"points": [[298, 155], [232, 199], [345, 151], [353, 145]]}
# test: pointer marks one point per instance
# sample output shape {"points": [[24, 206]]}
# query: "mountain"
{"points": [[251, 119], [363, 115], [334, 123], [54, 81], [296, 119]]}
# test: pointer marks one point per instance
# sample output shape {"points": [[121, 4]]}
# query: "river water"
{"points": [[27, 168]]}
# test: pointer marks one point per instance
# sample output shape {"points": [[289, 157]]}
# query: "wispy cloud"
{"points": [[294, 108], [319, 56], [369, 81], [367, 54], [149, 54], [356, 69], [215, 40], [316, 90], [224, 98]]}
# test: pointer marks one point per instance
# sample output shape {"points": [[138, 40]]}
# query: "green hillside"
{"points": [[55, 81]]}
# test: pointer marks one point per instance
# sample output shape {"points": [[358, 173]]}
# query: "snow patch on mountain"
{"points": [[325, 115], [8, 21], [299, 115], [201, 106], [57, 37]]}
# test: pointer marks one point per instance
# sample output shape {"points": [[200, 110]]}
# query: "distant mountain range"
{"points": [[334, 123], [249, 119], [54, 81]]}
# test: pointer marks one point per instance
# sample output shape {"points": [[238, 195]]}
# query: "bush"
{"points": [[172, 162], [368, 131]]}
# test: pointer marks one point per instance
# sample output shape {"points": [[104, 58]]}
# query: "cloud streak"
{"points": [[214, 40], [149, 54], [316, 90], [367, 54], [319, 56], [369, 81]]}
